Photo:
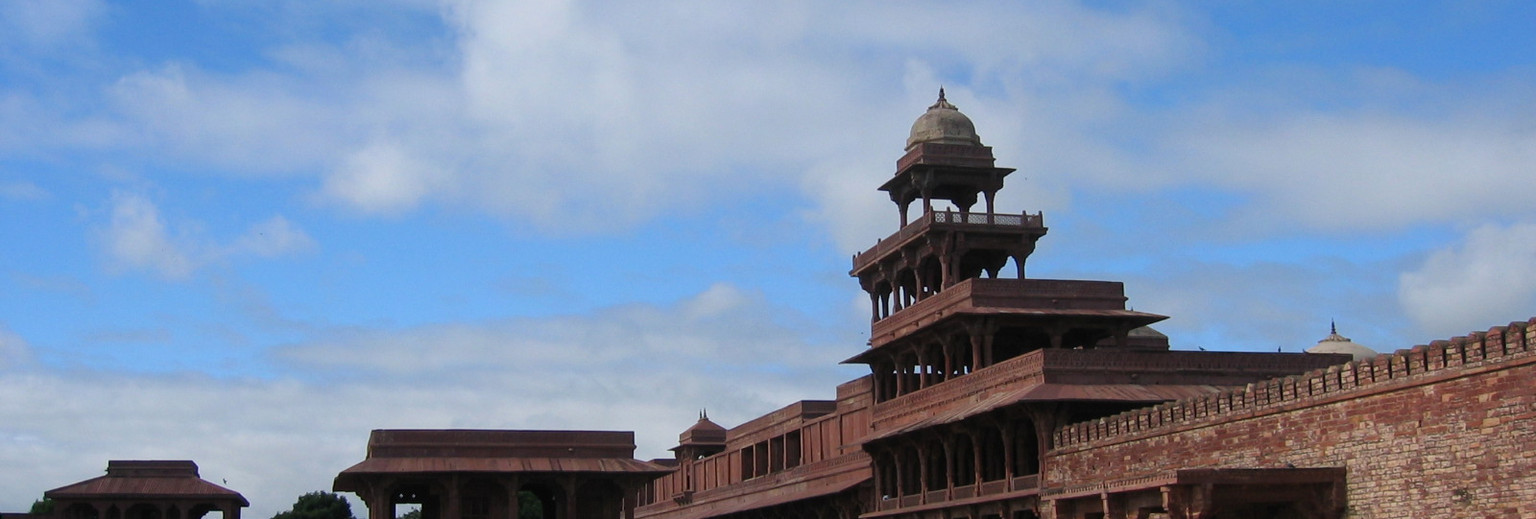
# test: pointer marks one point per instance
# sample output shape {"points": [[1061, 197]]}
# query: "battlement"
{"points": [[1445, 358]]}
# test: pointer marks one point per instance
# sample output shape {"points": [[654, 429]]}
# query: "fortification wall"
{"points": [[1441, 430]]}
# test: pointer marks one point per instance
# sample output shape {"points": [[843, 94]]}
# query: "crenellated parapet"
{"points": [[1438, 359]]}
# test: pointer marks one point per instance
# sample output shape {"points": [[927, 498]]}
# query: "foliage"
{"points": [[529, 506], [42, 506], [325, 505], [318, 505]]}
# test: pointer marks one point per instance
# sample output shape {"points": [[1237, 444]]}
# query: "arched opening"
{"points": [[908, 288], [910, 372], [143, 511], [81, 511], [204, 511], [885, 469], [419, 495], [965, 460], [993, 463], [938, 464], [1013, 341], [599, 499], [482, 499], [539, 501], [1026, 453], [930, 276], [911, 471], [529, 506]]}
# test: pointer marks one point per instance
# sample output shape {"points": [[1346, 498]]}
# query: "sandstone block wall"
{"points": [[1442, 430]]}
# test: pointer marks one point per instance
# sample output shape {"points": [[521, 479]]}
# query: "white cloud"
{"points": [[637, 367], [259, 123], [1348, 171], [272, 238], [1485, 280], [571, 117], [381, 178], [14, 351], [720, 329], [21, 190], [136, 237], [54, 23]]}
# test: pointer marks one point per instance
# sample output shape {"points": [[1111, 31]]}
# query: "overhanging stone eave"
{"points": [[1128, 319]]}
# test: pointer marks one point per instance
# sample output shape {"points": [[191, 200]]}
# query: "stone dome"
{"points": [[943, 124], [1335, 343]]}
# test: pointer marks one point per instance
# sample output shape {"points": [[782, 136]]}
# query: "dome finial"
{"points": [[943, 124], [1335, 343]]}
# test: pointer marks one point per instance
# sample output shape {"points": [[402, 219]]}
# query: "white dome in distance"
{"points": [[1335, 343]]}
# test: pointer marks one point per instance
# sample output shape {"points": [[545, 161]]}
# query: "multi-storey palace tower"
{"points": [[972, 367], [940, 308]]}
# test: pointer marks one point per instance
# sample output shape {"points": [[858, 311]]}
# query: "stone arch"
{"points": [[993, 462], [1026, 447], [599, 499], [143, 511], [910, 465], [964, 460], [199, 510], [549, 496], [81, 511], [418, 493], [938, 465]]}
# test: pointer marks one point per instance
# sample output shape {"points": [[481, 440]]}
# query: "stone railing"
{"points": [[917, 405], [1000, 293], [948, 219]]}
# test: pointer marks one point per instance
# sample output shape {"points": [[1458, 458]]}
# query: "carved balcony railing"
{"points": [[954, 220]]}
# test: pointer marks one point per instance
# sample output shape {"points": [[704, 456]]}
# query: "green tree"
{"points": [[529, 506], [42, 506], [318, 505]]}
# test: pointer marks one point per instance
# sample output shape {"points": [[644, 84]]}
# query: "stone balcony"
{"points": [[949, 220]]}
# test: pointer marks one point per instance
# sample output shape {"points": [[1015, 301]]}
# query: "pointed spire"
{"points": [[1333, 333], [942, 102]]}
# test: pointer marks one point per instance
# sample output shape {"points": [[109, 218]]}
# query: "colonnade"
{"points": [[918, 276], [463, 496], [144, 509], [974, 458]]}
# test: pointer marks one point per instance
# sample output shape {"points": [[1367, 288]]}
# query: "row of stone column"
{"points": [[449, 495], [960, 455], [134, 509], [899, 287], [932, 359]]}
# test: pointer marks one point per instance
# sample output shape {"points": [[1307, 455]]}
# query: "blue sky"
{"points": [[247, 232]]}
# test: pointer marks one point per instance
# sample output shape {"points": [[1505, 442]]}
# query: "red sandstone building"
{"points": [[147, 489], [996, 396], [990, 396], [478, 474]]}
